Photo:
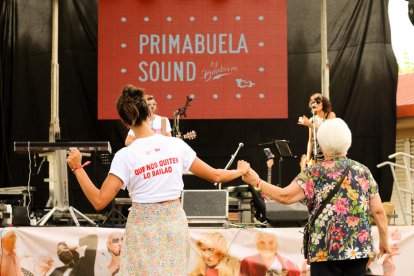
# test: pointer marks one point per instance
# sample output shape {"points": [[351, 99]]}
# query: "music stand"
{"points": [[283, 150]]}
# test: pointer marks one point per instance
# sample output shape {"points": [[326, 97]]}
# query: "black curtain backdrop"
{"points": [[363, 85]]}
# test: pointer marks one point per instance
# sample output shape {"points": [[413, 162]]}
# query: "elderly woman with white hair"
{"points": [[346, 193], [268, 261]]}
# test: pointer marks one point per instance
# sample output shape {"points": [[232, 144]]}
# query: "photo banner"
{"points": [[230, 57], [98, 248]]}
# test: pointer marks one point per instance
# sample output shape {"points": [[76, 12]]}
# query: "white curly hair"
{"points": [[334, 137]]}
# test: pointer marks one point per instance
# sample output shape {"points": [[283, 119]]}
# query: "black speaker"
{"points": [[292, 215], [20, 217], [205, 203], [276, 214]]}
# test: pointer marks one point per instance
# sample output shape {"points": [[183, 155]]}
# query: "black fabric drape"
{"points": [[8, 32], [363, 74], [362, 89]]}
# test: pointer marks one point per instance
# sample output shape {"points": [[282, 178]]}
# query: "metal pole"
{"points": [[56, 178], [324, 51], [54, 129]]}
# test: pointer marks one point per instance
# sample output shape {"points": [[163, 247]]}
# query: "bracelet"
{"points": [[259, 187], [74, 169], [259, 184]]}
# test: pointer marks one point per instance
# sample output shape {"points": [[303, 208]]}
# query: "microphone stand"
{"points": [[230, 162], [176, 128], [177, 113], [315, 149]]}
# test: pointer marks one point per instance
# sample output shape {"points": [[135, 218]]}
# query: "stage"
{"points": [[92, 243]]}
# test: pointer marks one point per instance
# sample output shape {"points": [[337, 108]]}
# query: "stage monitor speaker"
{"points": [[20, 216], [211, 204], [295, 214]]}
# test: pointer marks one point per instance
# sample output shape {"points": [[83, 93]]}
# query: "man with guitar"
{"points": [[321, 109]]}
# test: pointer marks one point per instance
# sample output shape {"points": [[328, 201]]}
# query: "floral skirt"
{"points": [[156, 240]]}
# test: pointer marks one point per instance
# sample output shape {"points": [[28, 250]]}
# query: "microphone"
{"points": [[313, 106], [241, 145]]}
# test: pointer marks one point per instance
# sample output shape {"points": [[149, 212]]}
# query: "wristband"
{"points": [[259, 187], [74, 169], [259, 184]]}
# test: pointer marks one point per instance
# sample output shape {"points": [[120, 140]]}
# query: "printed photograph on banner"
{"points": [[235, 251], [214, 256], [268, 260], [63, 251], [229, 56], [245, 252]]}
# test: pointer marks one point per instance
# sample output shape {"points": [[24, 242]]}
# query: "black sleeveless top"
{"points": [[319, 155]]}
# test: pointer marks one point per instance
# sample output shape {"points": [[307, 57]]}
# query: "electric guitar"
{"points": [[270, 162], [303, 164], [189, 135]]}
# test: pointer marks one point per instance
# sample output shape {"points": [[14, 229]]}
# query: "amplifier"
{"points": [[206, 204], [20, 216], [292, 215]]}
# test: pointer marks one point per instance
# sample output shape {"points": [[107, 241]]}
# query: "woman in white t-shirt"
{"points": [[151, 168], [158, 124]]}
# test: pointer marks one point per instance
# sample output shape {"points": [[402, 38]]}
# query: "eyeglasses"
{"points": [[116, 240]]}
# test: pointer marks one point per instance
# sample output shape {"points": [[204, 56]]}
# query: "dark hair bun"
{"points": [[132, 106]]}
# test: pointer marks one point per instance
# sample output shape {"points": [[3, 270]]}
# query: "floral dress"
{"points": [[342, 230]]}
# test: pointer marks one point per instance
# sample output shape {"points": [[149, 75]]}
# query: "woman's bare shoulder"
{"points": [[331, 115]]}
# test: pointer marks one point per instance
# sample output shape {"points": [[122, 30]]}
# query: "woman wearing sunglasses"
{"points": [[321, 110]]}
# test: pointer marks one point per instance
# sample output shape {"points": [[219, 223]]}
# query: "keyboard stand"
{"points": [[58, 188], [72, 212], [55, 153]]}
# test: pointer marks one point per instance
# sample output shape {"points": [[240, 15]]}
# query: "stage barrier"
{"points": [[36, 248]]}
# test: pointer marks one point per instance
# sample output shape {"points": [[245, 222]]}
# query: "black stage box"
{"points": [[205, 203]]}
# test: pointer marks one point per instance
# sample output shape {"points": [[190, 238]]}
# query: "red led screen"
{"points": [[229, 56]]}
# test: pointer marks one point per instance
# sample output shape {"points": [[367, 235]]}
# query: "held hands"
{"points": [[243, 166], [251, 177], [303, 120], [74, 158]]}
